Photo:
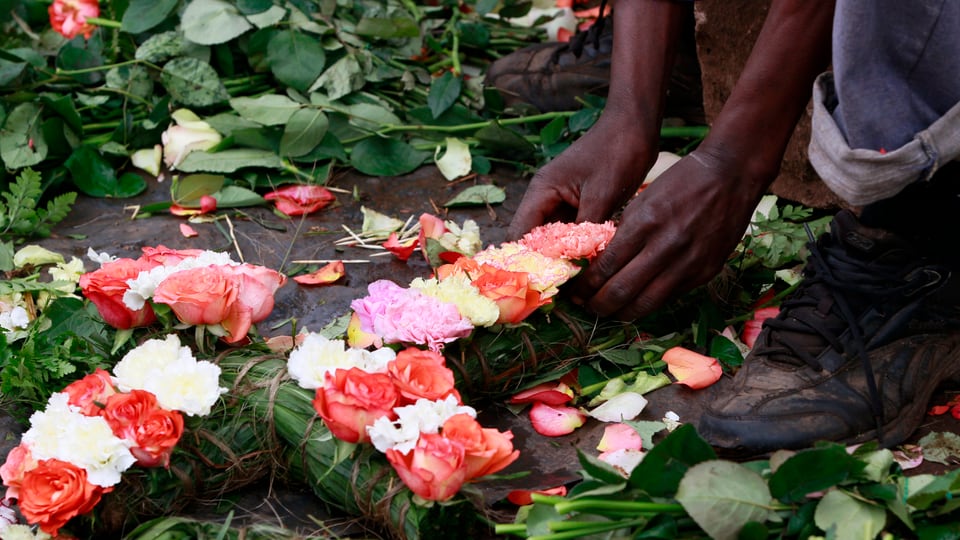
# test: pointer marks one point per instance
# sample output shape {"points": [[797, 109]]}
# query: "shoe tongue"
{"points": [[867, 243]]}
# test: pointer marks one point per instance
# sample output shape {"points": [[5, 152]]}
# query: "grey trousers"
{"points": [[889, 113]]}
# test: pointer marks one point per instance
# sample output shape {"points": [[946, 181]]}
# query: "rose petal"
{"points": [[551, 393], [692, 369], [188, 231], [555, 421], [624, 406], [402, 250], [523, 497], [623, 460], [324, 276], [619, 437]]}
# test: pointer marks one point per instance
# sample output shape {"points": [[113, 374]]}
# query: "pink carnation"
{"points": [[570, 240], [401, 315]]}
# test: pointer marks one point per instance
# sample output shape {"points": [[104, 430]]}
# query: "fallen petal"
{"points": [[551, 393], [324, 276], [523, 497], [188, 231], [555, 421], [402, 250], [619, 437], [624, 406], [623, 460], [909, 456], [359, 339], [691, 368]]}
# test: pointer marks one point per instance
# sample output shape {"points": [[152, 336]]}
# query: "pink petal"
{"points": [[188, 231], [555, 421], [691, 368], [619, 437], [402, 250]]}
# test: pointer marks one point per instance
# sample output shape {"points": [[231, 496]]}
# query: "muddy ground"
{"points": [[263, 238]]}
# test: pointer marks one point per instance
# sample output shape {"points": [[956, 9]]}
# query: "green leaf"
{"points": [[444, 91], [21, 143], [926, 490], [599, 470], [343, 77], [188, 190], [387, 27], [64, 107], [372, 117], [329, 148], [296, 59], [229, 161], [722, 497], [142, 15], [160, 47], [134, 80], [725, 351], [269, 109], [813, 469], [75, 58], [209, 22], [665, 464], [501, 139], [478, 196], [95, 176], [193, 82], [553, 131], [249, 7], [848, 518], [303, 132], [646, 429], [237, 197], [583, 119], [379, 156]]}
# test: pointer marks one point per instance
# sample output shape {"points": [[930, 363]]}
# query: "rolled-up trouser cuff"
{"points": [[861, 176]]}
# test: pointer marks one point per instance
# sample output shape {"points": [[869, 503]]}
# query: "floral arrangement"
{"points": [[78, 447], [204, 289], [405, 402]]}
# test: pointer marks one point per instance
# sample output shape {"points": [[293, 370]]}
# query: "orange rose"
{"points": [[434, 469], [54, 492], [91, 392], [353, 399], [154, 431], [19, 461], [512, 291], [205, 295], [421, 374], [105, 287], [486, 449]]}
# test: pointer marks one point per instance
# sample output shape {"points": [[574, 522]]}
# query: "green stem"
{"points": [[594, 528], [637, 507], [105, 67], [106, 23], [683, 132], [517, 529]]}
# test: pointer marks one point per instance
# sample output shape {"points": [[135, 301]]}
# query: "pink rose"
{"points": [[421, 374], [19, 461], [105, 288], [69, 17], [164, 256], [257, 286], [353, 399], [202, 296], [486, 450], [91, 392], [435, 469]]}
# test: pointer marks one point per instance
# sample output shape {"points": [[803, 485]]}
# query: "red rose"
{"points": [[91, 392], [153, 430], [69, 17], [105, 288], [54, 492], [353, 399]]}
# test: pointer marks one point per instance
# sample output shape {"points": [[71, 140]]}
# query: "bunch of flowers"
{"points": [[406, 403], [202, 288], [77, 449]]}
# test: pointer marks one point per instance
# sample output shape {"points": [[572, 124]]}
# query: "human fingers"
{"points": [[541, 202]]}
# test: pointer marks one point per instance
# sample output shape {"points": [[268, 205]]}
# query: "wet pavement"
{"points": [[261, 237]]}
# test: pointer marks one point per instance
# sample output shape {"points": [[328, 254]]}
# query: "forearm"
{"points": [[756, 122], [644, 49]]}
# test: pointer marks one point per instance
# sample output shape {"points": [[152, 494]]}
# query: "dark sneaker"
{"points": [[552, 76], [855, 355]]}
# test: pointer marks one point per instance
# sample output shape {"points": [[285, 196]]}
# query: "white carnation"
{"points": [[16, 318], [63, 432], [424, 416], [138, 365], [186, 385], [317, 355]]}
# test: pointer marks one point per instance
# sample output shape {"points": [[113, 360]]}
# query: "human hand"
{"points": [[675, 235], [591, 179]]}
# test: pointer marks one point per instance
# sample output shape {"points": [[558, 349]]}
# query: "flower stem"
{"points": [[588, 528], [106, 23]]}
